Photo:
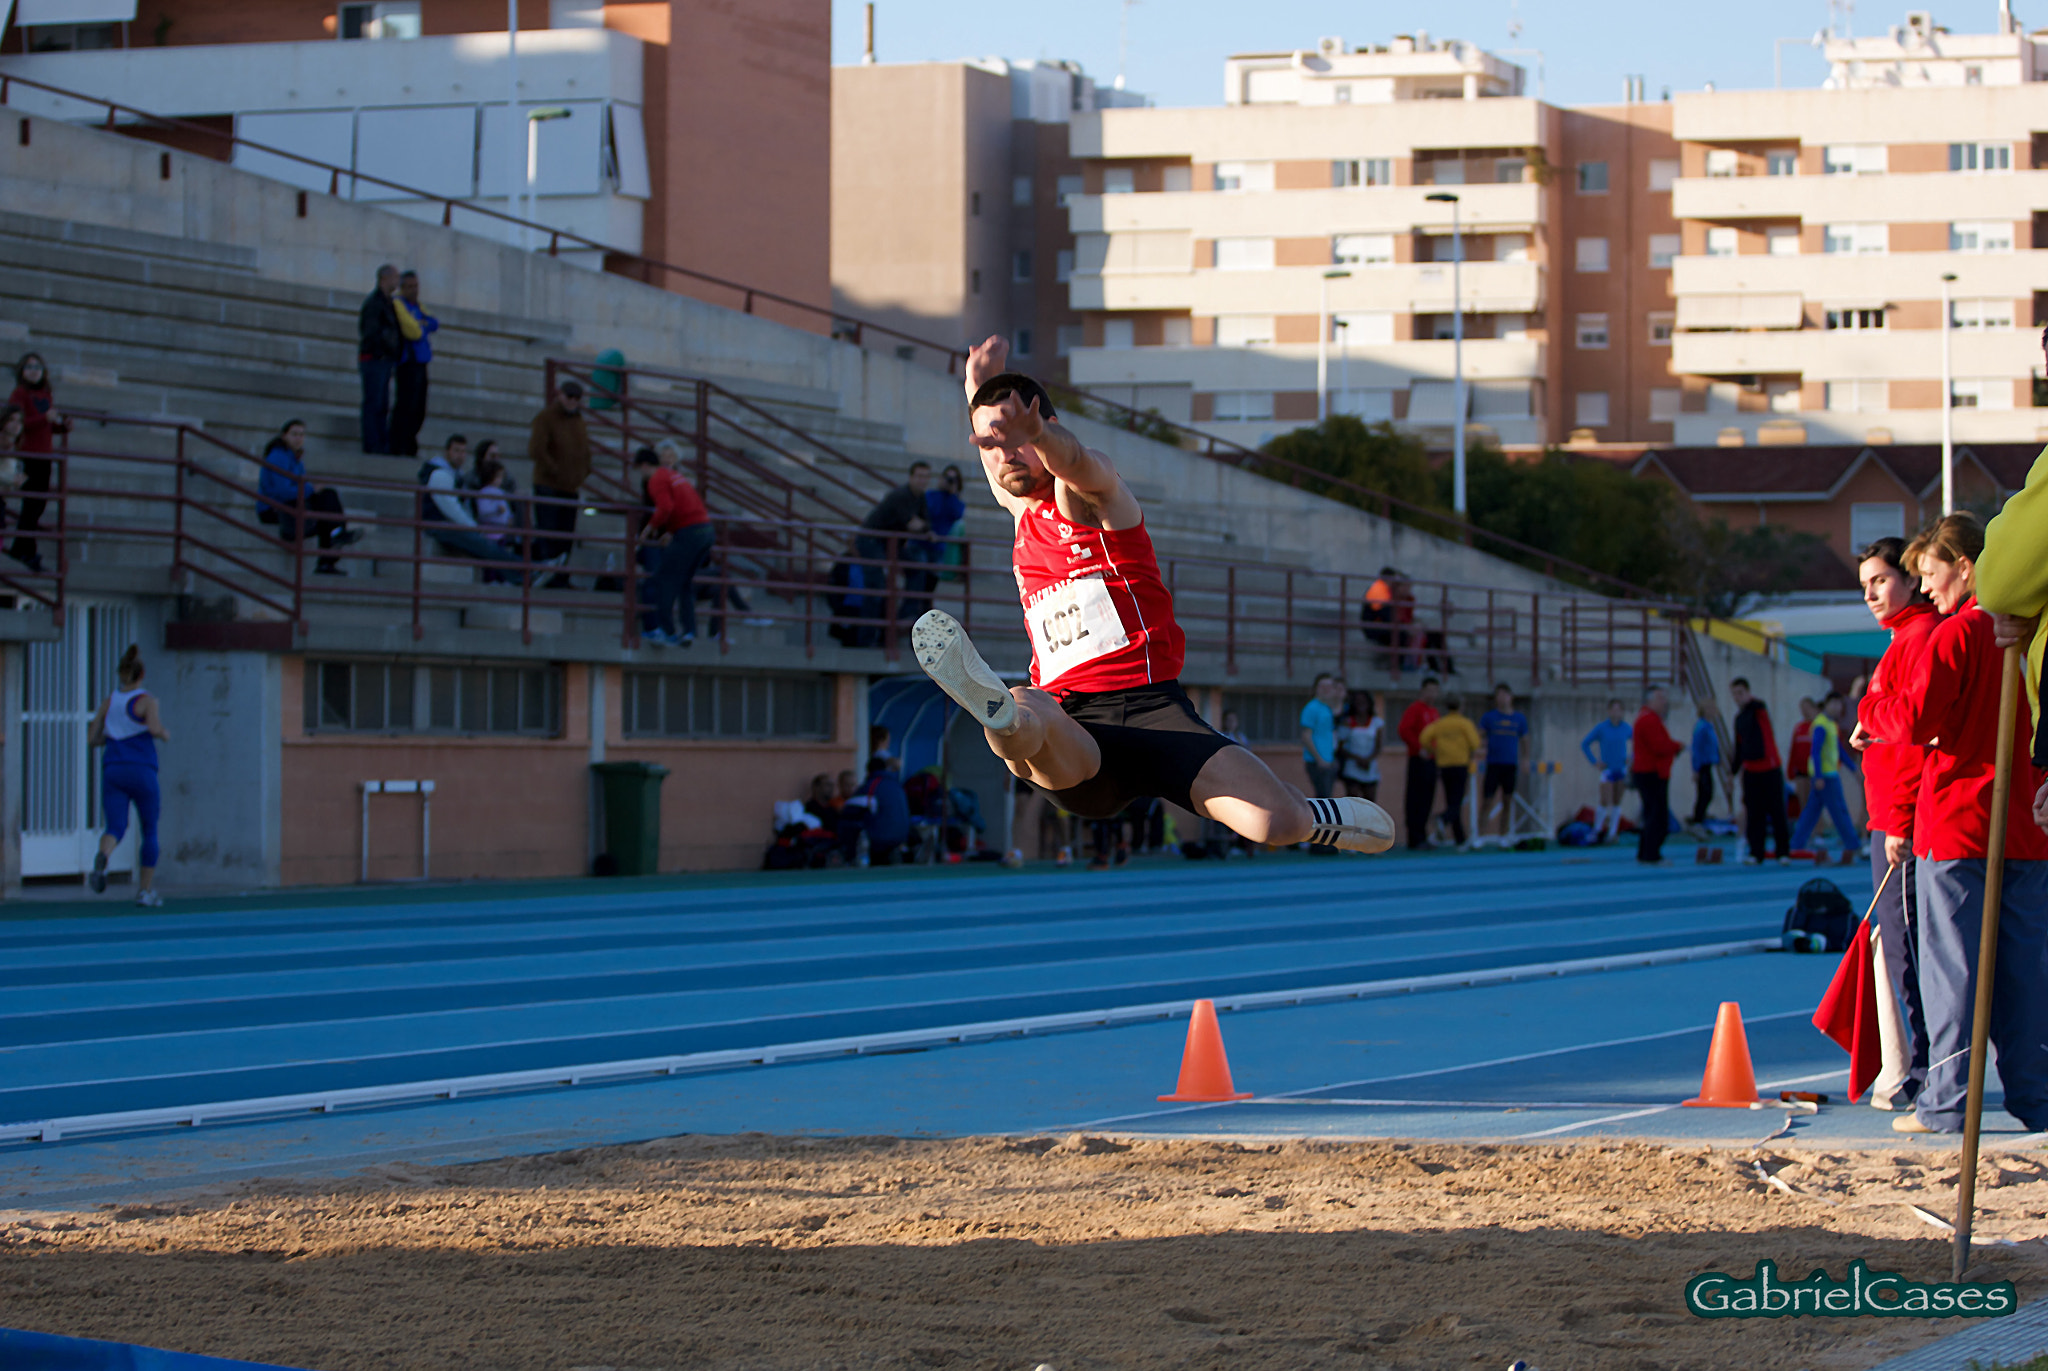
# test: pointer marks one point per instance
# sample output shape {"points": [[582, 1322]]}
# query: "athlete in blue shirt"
{"points": [[1706, 755], [1504, 727], [1611, 738]]}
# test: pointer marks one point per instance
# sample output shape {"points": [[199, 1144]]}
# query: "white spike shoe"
{"points": [[1351, 824], [942, 649]]}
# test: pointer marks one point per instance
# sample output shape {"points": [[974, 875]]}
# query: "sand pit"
{"points": [[793, 1254]]}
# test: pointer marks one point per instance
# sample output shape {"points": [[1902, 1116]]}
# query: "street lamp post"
{"points": [[1457, 354], [1343, 327], [1323, 346], [1948, 402]]}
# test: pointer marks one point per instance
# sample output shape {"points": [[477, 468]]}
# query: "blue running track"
{"points": [[110, 1015]]}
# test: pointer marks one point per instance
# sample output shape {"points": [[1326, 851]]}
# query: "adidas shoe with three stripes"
{"points": [[1351, 824], [942, 649]]}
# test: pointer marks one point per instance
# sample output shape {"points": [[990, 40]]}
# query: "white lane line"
{"points": [[1667, 1108]]}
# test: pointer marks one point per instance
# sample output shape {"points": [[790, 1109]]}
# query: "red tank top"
{"points": [[1099, 615]]}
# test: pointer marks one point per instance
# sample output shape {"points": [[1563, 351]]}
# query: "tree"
{"points": [[1582, 509], [1375, 456]]}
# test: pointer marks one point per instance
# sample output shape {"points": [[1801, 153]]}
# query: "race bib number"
{"points": [[1074, 623]]}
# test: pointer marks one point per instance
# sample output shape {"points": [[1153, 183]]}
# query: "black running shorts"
{"points": [[1499, 776], [1152, 741]]}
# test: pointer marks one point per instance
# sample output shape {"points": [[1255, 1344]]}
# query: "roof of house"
{"points": [[1818, 471]]}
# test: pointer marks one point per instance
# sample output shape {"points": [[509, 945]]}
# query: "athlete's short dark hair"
{"points": [[1431, 681], [996, 389]]}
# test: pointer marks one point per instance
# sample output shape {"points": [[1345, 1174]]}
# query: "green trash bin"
{"points": [[632, 815], [608, 375]]}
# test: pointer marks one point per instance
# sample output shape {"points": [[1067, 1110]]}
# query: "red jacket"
{"points": [[1756, 747], [676, 502], [1951, 705], [1891, 771], [36, 428], [1654, 747], [1798, 762], [1417, 717]]}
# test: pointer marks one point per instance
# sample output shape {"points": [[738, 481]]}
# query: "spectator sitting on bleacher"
{"points": [[495, 518], [446, 513], [10, 443], [824, 801], [278, 490]]}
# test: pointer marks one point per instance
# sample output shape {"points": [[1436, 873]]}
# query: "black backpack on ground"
{"points": [[1822, 908]]}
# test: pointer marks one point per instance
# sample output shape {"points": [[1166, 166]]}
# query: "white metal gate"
{"points": [[62, 687]]}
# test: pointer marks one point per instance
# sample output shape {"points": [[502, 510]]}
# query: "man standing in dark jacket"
{"points": [[1763, 776], [901, 511], [378, 345], [558, 445]]}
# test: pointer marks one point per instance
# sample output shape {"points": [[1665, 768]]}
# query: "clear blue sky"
{"points": [[1177, 47]]}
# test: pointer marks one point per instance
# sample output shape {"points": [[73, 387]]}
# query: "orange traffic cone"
{"points": [[1730, 1082], [1204, 1070]]}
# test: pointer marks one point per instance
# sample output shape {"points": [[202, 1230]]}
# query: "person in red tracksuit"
{"points": [[1950, 707], [1419, 797], [1653, 749], [1891, 787]]}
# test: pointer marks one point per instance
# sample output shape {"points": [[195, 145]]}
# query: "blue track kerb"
{"points": [[21, 1351]]}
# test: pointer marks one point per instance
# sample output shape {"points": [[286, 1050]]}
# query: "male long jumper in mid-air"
{"points": [[1104, 720]]}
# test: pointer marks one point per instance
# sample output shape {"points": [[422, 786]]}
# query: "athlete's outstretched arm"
{"points": [[985, 361]]}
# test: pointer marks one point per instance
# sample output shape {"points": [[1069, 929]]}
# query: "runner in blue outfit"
{"points": [[129, 726], [1610, 737]]}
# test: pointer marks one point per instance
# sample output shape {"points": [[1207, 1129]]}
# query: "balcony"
{"points": [[1384, 366], [1879, 277], [1903, 426], [1407, 288], [1877, 355], [1309, 213], [1862, 199]]}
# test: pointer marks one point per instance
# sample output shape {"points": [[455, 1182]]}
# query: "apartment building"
{"points": [[1822, 228], [674, 110], [950, 182], [1245, 266]]}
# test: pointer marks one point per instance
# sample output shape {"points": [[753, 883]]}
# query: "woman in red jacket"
{"points": [[681, 524], [1950, 707], [41, 421], [1891, 787]]}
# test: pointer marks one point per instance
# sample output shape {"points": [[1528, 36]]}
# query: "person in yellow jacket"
{"points": [[2012, 584], [1454, 742]]}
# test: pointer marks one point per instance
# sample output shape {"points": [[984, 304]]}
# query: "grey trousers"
{"points": [[1951, 904]]}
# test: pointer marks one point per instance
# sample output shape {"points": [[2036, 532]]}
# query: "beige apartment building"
{"points": [[1752, 266], [1819, 226], [950, 182]]}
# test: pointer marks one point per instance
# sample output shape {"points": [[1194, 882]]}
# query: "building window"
{"points": [[1341, 95], [1991, 392], [1244, 254], [1856, 318], [1592, 178], [974, 281], [1021, 345], [1858, 239], [1663, 250], [1510, 247], [1366, 328], [1781, 162], [1373, 406], [1591, 254], [691, 704], [1663, 171], [1068, 338], [1119, 181], [1724, 397], [1020, 266], [1068, 187], [1119, 333], [1980, 314], [1244, 176], [1243, 406], [1722, 242], [1589, 409], [1355, 172], [1509, 171], [1176, 331], [383, 19], [1362, 249], [1782, 396], [393, 697], [1666, 404], [1988, 236], [71, 37], [1854, 159], [1980, 157], [1244, 330], [1063, 265], [1449, 248], [1660, 325], [1020, 190], [1592, 331], [974, 204], [1868, 523], [1855, 397], [1781, 241], [1721, 161]]}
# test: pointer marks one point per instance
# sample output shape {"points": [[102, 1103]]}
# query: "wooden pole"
{"points": [[1987, 952]]}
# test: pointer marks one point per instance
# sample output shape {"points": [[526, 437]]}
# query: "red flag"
{"points": [[1848, 1013]]}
